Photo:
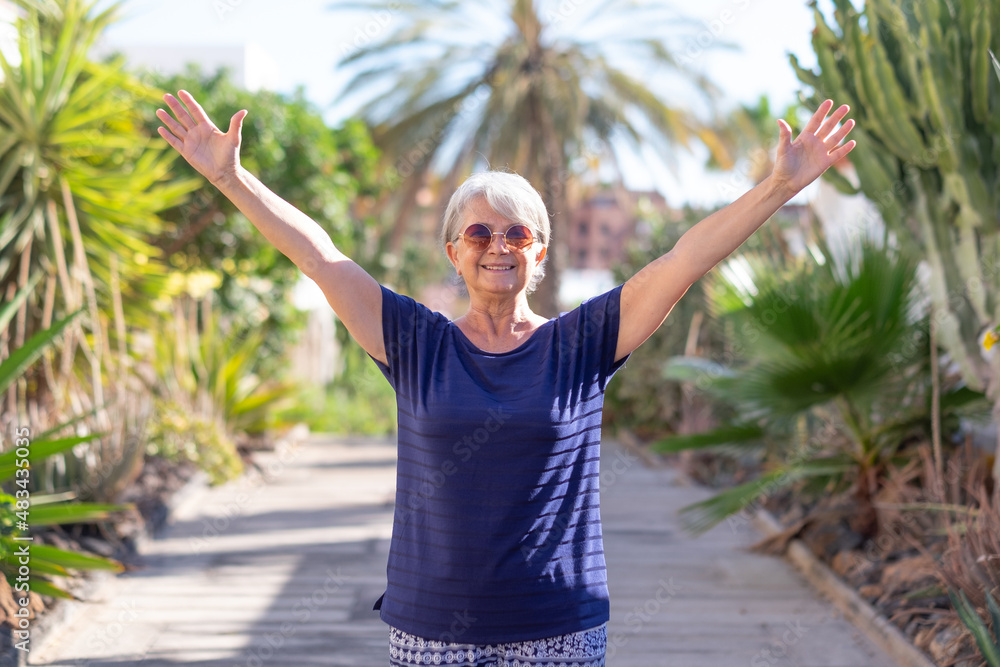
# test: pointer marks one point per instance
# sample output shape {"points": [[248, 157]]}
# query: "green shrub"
{"points": [[177, 434]]}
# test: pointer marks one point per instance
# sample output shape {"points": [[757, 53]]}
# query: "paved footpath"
{"points": [[281, 569]]}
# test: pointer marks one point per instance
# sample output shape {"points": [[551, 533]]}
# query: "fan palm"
{"points": [[836, 377], [525, 85]]}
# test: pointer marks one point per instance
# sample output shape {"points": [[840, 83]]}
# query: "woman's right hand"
{"points": [[213, 153]]}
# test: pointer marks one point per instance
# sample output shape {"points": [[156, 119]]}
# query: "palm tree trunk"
{"points": [[546, 145], [547, 296], [864, 520]]}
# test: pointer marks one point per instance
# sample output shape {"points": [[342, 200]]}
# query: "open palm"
{"points": [[213, 153], [816, 149]]}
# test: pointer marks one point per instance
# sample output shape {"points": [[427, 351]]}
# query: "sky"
{"points": [[305, 39]]}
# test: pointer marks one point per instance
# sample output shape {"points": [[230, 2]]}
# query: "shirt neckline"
{"points": [[478, 350]]}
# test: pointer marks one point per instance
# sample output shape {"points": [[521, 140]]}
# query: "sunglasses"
{"points": [[479, 237]]}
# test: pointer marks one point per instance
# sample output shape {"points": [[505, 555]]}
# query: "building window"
{"points": [[581, 256], [583, 228], [605, 229]]}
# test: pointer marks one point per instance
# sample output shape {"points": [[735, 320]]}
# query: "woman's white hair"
{"points": [[512, 197]]}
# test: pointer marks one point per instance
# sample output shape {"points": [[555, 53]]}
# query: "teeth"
{"points": [[498, 268]]}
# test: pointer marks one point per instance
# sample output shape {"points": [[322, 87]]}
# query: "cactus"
{"points": [[918, 76]]}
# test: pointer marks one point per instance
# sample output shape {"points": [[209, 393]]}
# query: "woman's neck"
{"points": [[499, 326]]}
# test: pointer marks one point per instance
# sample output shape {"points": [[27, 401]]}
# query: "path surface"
{"points": [[281, 569]]}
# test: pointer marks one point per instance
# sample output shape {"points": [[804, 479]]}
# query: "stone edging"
{"points": [[854, 608], [61, 614]]}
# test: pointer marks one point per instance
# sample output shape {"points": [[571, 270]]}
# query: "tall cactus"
{"points": [[918, 78]]}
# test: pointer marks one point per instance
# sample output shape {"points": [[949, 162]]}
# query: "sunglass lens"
{"points": [[478, 235], [519, 237]]}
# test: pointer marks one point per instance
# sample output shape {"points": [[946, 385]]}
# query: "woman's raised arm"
{"points": [[650, 294], [353, 294]]}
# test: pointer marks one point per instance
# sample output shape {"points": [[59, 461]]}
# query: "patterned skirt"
{"points": [[578, 649]]}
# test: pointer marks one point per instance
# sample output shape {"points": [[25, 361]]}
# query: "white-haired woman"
{"points": [[497, 555]]}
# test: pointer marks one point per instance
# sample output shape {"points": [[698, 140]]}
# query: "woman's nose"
{"points": [[499, 243]]}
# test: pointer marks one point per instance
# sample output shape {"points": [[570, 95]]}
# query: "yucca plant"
{"points": [[81, 181], [45, 509], [833, 380], [989, 645]]}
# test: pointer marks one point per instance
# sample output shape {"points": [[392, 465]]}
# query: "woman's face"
{"points": [[497, 270]]}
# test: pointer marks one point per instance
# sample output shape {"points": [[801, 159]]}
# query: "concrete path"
{"points": [[282, 568]]}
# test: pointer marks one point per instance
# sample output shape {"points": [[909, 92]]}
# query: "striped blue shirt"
{"points": [[497, 528]]}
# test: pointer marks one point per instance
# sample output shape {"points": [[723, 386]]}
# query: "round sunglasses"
{"points": [[479, 237]]}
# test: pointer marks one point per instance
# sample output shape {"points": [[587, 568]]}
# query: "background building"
{"points": [[249, 65]]}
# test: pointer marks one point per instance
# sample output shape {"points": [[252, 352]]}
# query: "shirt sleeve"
{"points": [[597, 333], [405, 327]]}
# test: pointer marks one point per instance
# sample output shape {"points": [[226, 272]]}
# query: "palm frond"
{"points": [[730, 434]]}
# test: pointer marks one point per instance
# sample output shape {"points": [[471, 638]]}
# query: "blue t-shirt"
{"points": [[497, 529]]}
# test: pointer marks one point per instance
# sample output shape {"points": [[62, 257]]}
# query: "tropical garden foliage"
{"points": [[918, 78], [829, 379], [542, 93], [330, 174], [326, 172], [140, 313], [21, 510]]}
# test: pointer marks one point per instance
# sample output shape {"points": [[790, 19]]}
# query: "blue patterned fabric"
{"points": [[497, 531], [578, 649]]}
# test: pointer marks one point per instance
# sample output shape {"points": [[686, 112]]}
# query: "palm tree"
{"points": [[523, 85]]}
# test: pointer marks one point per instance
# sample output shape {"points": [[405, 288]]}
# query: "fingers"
{"points": [[840, 152], [830, 123], [817, 118], [236, 126], [784, 134], [173, 126], [183, 117], [174, 142], [196, 111], [840, 134]]}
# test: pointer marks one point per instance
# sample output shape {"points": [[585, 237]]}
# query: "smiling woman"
{"points": [[497, 555]]}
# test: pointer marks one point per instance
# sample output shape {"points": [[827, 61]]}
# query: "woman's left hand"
{"points": [[817, 148]]}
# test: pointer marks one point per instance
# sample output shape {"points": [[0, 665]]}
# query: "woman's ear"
{"points": [[541, 255], [453, 256]]}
